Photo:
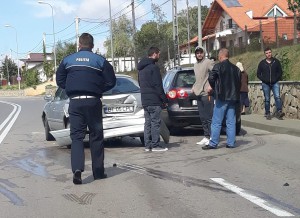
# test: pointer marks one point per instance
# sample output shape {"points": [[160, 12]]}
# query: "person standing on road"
{"points": [[269, 71], [203, 91], [153, 98], [245, 103], [225, 80], [85, 76]]}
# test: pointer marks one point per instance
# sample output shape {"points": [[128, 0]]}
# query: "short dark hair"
{"points": [[86, 40], [153, 50], [267, 49]]}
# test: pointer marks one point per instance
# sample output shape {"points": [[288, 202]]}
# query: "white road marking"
{"points": [[12, 117], [256, 200]]}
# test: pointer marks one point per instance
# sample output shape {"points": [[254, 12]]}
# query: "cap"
{"points": [[240, 66], [199, 48]]}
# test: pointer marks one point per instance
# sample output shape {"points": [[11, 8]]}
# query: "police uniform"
{"points": [[85, 76]]}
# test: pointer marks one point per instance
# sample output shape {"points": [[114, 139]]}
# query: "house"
{"points": [[35, 61], [235, 23]]}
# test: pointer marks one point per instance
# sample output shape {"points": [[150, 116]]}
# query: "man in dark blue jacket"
{"points": [[269, 71], [85, 76], [153, 98]]}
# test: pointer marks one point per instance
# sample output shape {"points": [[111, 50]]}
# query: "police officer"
{"points": [[85, 76]]}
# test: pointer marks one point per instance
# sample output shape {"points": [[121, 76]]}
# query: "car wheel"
{"points": [[142, 140], [48, 135], [238, 128]]}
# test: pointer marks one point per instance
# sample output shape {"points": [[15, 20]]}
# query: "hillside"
{"points": [[250, 61]]}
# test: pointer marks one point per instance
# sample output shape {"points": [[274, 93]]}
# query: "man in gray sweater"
{"points": [[203, 91]]}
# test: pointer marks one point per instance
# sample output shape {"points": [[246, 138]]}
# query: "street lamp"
{"points": [[54, 50], [18, 78]]}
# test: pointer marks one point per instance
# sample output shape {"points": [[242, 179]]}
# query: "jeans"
{"points": [[205, 108], [223, 109], [276, 92], [152, 126]]}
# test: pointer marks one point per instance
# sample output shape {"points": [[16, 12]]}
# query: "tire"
{"points": [[48, 135], [142, 140]]}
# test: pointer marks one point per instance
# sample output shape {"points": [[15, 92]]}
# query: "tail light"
{"points": [[177, 93]]}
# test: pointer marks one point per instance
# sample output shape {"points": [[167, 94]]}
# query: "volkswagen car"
{"points": [[182, 109], [123, 114]]}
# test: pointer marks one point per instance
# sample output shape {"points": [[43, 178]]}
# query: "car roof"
{"points": [[123, 75], [179, 68]]}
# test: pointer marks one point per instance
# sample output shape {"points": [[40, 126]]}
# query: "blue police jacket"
{"points": [[85, 73]]}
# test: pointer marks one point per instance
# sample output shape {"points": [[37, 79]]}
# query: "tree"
{"points": [[193, 21], [9, 68], [150, 35], [31, 78], [294, 6], [47, 65], [122, 38], [64, 49]]}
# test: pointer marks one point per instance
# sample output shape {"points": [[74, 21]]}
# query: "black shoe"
{"points": [[268, 116], [208, 147], [228, 146], [279, 115], [102, 176], [77, 177]]}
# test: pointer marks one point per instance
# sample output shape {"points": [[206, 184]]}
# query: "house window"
{"points": [[276, 12], [229, 23], [221, 25], [240, 41], [284, 36]]}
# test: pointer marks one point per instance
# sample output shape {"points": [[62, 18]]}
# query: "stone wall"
{"points": [[290, 96]]}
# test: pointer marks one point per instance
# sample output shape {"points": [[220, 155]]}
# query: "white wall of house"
{"points": [[123, 64]]}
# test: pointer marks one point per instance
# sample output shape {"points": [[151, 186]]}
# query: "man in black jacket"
{"points": [[153, 98], [269, 71], [85, 76], [225, 80]]}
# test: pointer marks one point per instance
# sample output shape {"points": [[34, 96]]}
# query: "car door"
{"points": [[57, 109]]}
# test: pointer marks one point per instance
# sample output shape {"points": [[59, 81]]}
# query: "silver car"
{"points": [[123, 114]]}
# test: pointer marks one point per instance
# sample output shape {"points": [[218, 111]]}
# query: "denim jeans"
{"points": [[223, 109], [267, 93], [152, 126]]}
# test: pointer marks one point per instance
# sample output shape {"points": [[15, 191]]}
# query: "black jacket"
{"points": [[269, 73], [85, 73], [150, 81], [225, 80]]}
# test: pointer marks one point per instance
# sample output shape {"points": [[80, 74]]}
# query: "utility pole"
{"points": [[261, 36], [295, 28], [77, 32], [111, 39], [276, 32], [8, 82], [175, 33], [199, 24], [133, 35], [188, 29]]}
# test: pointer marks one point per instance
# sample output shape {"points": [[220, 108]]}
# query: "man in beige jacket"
{"points": [[203, 91]]}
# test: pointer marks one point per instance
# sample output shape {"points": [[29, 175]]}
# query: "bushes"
{"points": [[31, 78]]}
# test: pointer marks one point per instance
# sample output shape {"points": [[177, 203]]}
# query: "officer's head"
{"points": [[86, 40]]}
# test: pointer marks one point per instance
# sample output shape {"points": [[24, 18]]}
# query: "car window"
{"points": [[185, 79], [123, 86], [57, 96], [167, 80]]}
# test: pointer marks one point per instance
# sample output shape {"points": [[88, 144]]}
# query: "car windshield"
{"points": [[185, 79], [124, 85]]}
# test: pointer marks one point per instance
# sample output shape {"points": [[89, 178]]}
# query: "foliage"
{"points": [[64, 49], [8, 67], [47, 65], [285, 64], [122, 38], [31, 78], [193, 22], [294, 5]]}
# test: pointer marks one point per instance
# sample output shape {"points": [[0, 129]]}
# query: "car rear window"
{"points": [[124, 86], [185, 79]]}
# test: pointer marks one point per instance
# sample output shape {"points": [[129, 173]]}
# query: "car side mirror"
{"points": [[48, 97]]}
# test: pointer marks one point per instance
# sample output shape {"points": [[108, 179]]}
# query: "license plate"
{"points": [[118, 109], [194, 102]]}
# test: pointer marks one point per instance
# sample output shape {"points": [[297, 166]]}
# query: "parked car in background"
{"points": [[182, 110], [123, 114]]}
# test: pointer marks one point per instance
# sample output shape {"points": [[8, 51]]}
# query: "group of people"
{"points": [[85, 76], [227, 85]]}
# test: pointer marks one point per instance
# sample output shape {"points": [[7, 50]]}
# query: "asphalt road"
{"points": [[259, 178]]}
